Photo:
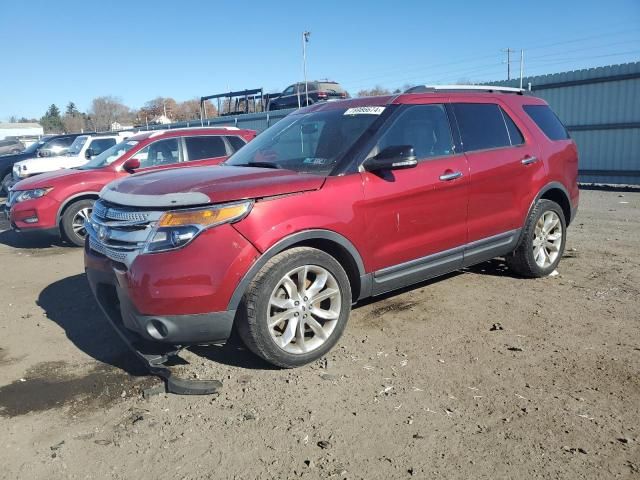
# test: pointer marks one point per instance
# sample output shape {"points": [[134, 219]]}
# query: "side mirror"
{"points": [[394, 157], [131, 165], [88, 153]]}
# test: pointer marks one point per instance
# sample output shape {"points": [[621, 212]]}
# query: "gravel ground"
{"points": [[474, 375]]}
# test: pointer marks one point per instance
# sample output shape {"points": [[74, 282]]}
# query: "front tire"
{"points": [[542, 242], [4, 187], [72, 223], [296, 307]]}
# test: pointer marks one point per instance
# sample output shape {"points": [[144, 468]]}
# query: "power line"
{"points": [[392, 74]]}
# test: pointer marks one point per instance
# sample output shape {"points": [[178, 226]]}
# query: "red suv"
{"points": [[336, 202], [61, 201]]}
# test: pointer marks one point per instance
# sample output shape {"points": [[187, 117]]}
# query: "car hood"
{"points": [[66, 176], [204, 185]]}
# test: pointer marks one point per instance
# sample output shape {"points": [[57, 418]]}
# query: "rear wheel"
{"points": [[542, 243], [73, 218], [296, 307]]}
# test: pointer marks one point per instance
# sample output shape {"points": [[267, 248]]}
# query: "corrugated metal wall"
{"points": [[601, 108]]}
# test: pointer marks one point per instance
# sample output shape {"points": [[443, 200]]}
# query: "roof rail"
{"points": [[476, 88]]}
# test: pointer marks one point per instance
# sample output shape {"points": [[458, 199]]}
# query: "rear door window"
{"points": [[548, 122], [481, 126], [162, 152], [199, 148], [424, 127]]}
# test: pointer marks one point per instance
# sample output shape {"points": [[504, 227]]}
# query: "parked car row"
{"points": [[337, 202], [60, 201], [47, 146], [83, 149]]}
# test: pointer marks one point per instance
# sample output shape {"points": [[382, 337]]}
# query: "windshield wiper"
{"points": [[258, 164]]}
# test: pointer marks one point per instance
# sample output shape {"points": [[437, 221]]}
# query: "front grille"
{"points": [[120, 233], [118, 256], [103, 211]]}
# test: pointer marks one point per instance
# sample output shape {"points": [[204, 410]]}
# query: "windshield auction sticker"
{"points": [[364, 111]]}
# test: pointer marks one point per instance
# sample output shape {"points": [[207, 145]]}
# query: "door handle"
{"points": [[450, 176], [529, 160]]}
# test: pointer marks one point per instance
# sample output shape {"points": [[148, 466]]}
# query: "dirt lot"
{"points": [[476, 375]]}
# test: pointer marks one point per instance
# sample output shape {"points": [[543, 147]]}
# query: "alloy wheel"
{"points": [[78, 222], [303, 309], [547, 239]]}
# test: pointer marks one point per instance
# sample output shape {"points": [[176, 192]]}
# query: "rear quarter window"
{"points": [[547, 121]]}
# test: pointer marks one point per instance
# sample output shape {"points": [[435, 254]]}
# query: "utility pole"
{"points": [[521, 67], [305, 40], [509, 51]]}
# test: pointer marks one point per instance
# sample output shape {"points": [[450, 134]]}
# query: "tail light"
{"points": [[343, 95], [322, 94]]}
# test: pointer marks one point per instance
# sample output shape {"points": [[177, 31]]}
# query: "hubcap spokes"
{"points": [[303, 309], [547, 239], [78, 222]]}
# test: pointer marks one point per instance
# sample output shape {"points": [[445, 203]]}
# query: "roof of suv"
{"points": [[413, 98]]}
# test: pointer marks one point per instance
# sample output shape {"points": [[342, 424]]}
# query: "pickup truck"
{"points": [[83, 149]]}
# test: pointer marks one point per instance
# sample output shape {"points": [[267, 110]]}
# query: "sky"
{"points": [[67, 50]]}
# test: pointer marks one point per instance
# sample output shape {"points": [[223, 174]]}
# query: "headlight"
{"points": [[31, 194], [177, 228]]}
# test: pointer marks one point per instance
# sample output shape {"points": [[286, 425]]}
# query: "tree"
{"points": [[106, 110], [374, 92], [190, 110], [73, 120], [71, 109], [157, 107], [51, 121]]}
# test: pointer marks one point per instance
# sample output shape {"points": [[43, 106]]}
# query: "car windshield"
{"points": [[33, 147], [110, 155], [312, 143], [77, 145]]}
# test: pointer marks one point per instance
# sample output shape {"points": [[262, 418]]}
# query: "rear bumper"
{"points": [[109, 285]]}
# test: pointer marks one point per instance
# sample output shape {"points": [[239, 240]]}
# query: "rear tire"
{"points": [[542, 243], [72, 223], [296, 308]]}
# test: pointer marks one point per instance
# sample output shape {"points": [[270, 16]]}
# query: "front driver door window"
{"points": [[160, 153]]}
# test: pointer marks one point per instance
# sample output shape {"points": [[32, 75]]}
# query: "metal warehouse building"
{"points": [[601, 108]]}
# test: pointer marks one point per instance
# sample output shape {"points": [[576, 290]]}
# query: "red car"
{"points": [[337, 202], [61, 201]]}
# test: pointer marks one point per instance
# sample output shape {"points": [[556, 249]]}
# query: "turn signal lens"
{"points": [[206, 217]]}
